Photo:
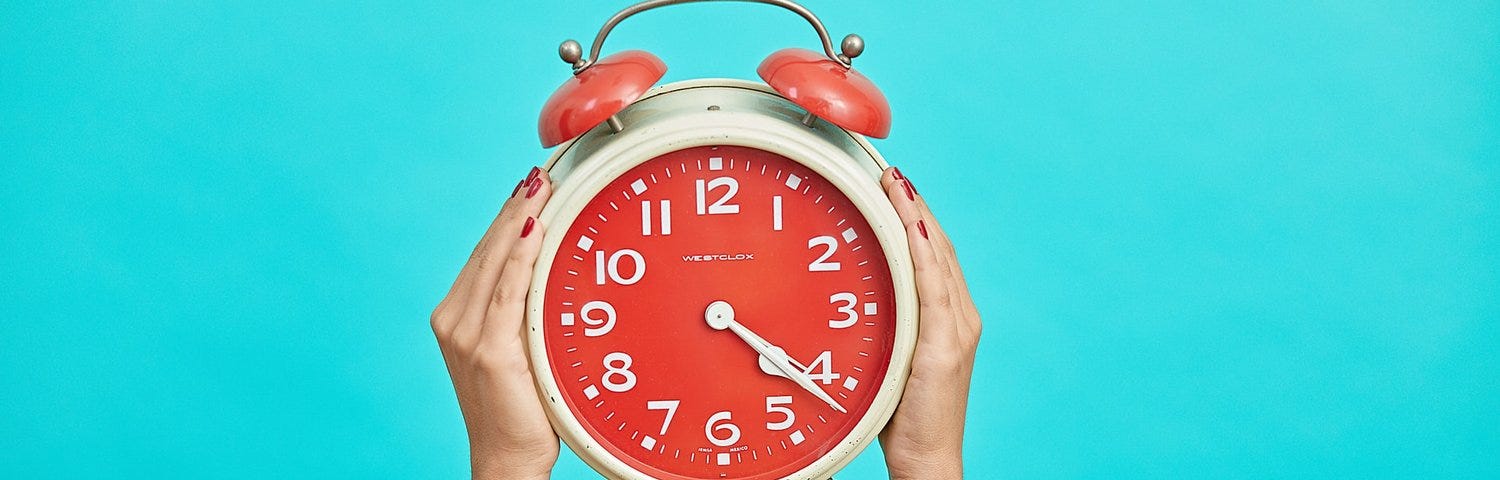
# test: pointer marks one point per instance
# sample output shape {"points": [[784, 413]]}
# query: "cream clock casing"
{"points": [[720, 112]]}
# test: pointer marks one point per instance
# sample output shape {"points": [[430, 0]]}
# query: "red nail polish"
{"points": [[913, 186], [519, 184], [910, 193], [896, 173], [535, 185], [535, 172], [531, 222], [921, 227]]}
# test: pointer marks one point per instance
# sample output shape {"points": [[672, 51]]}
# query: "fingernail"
{"points": [[536, 184], [535, 171], [910, 193], [531, 223], [921, 227], [519, 184], [913, 186], [896, 173]]}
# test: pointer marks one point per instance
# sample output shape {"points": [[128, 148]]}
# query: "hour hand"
{"points": [[720, 315]]}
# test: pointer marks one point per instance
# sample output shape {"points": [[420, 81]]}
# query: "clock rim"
{"points": [[752, 115]]}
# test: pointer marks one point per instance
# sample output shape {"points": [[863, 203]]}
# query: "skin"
{"points": [[925, 436], [479, 330]]}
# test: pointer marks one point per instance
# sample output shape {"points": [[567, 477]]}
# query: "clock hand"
{"points": [[795, 363], [756, 338], [720, 315], [778, 358], [770, 368], [766, 365]]}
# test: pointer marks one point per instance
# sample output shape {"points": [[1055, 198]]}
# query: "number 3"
{"points": [[848, 310]]}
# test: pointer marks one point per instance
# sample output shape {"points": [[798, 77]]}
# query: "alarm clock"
{"points": [[724, 290]]}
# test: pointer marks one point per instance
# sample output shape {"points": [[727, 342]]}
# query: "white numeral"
{"points": [[719, 206], [773, 405], [669, 405], [612, 267], [776, 213], [713, 426], [822, 264], [666, 217], [597, 326], [826, 376], [622, 371], [850, 316]]}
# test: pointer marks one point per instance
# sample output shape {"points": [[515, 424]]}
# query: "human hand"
{"points": [[925, 436], [479, 329]]}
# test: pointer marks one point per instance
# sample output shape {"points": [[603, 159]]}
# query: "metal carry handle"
{"points": [[572, 53]]}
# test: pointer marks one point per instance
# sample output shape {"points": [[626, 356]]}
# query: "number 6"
{"points": [[713, 425]]}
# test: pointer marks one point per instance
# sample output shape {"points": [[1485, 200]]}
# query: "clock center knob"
{"points": [[719, 314]]}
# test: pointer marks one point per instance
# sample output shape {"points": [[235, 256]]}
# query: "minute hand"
{"points": [[783, 362]]}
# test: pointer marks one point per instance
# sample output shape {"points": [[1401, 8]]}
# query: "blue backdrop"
{"points": [[1208, 239]]}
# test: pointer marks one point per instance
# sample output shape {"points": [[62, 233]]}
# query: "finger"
{"points": [[527, 203], [934, 296], [507, 306], [910, 207], [942, 243], [934, 291], [902, 196], [940, 239], [946, 253], [452, 309], [480, 259], [889, 176], [969, 319]]}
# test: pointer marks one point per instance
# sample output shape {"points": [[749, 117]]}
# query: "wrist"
{"points": [[487, 466], [924, 465]]}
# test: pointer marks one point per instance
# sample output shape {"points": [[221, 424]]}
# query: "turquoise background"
{"points": [[1208, 239]]}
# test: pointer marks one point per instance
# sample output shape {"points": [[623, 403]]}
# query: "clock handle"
{"points": [[572, 53]]}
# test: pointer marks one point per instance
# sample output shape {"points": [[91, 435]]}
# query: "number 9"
{"points": [[597, 326]]}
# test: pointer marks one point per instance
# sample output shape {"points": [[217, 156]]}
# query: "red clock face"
{"points": [[719, 312]]}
